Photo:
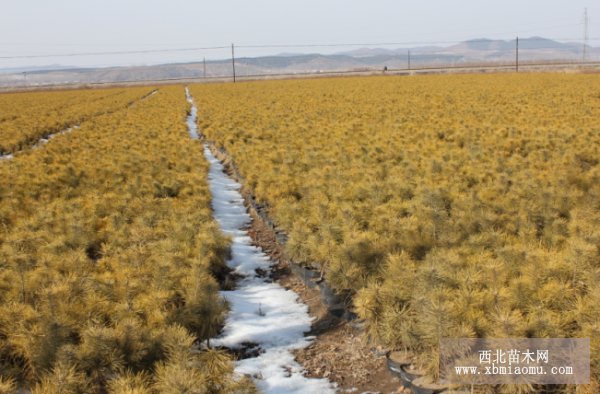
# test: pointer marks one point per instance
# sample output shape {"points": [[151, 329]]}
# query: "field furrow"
{"points": [[109, 259], [443, 206], [27, 117]]}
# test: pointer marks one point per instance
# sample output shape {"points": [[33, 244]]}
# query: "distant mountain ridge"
{"points": [[476, 51], [485, 44], [478, 44], [19, 70]]}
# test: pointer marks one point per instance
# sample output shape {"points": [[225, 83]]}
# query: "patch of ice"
{"points": [[69, 129], [262, 312], [192, 117], [145, 97]]}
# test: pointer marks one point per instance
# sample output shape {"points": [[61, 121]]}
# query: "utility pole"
{"points": [[25, 75], [204, 67], [409, 59], [585, 34], [247, 62], [517, 58], [233, 62]]}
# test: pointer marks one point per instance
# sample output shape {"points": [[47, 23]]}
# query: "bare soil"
{"points": [[338, 353]]}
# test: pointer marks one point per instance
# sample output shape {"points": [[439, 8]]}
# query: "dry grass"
{"points": [[445, 206], [108, 259]]}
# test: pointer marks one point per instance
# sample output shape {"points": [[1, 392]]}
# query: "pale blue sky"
{"points": [[42, 27]]}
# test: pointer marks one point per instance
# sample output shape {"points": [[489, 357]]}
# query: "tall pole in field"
{"points": [[409, 59], [233, 62], [25, 76], [204, 67], [517, 59]]}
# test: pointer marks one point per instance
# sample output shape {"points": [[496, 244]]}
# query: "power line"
{"points": [[111, 53], [277, 61], [586, 39], [404, 43]]}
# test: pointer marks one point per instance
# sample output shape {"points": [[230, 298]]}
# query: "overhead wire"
{"points": [[113, 53], [280, 46], [278, 61]]}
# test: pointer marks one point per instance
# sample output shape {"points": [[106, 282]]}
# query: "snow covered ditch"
{"points": [[145, 97], [192, 117], [262, 313], [41, 141]]}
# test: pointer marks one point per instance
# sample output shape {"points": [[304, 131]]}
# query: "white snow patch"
{"points": [[262, 312], [192, 117], [41, 141], [145, 97]]}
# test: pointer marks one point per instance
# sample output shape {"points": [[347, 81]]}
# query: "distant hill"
{"points": [[366, 52], [19, 70], [285, 54], [362, 59], [477, 45], [484, 44]]}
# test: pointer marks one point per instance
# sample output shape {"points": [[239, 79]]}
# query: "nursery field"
{"points": [[440, 206], [109, 254], [27, 117]]}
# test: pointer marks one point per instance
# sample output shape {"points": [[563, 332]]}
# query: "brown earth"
{"points": [[338, 353]]}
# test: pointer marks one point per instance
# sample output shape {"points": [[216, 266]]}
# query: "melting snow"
{"points": [[191, 119], [262, 312], [41, 141]]}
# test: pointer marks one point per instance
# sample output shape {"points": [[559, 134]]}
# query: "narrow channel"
{"points": [[263, 313], [42, 141]]}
